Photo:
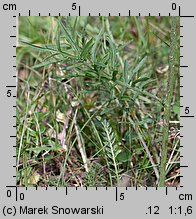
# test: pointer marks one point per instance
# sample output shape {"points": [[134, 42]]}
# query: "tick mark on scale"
{"points": [[190, 16]]}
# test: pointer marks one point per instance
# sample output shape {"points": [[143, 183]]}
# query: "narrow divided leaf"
{"points": [[86, 49], [69, 37], [140, 32], [58, 45], [137, 68], [112, 53], [95, 46], [126, 76]]}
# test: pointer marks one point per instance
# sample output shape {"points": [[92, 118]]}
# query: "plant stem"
{"points": [[167, 109]]}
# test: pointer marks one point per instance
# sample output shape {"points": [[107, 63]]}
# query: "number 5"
{"points": [[74, 6]]}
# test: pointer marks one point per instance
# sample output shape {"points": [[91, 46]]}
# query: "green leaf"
{"points": [[126, 77], [137, 68], [40, 48], [45, 64], [95, 46], [176, 108], [42, 129], [120, 48], [128, 137], [41, 116], [86, 49], [91, 74], [69, 37], [138, 90], [140, 79], [146, 83], [54, 147], [147, 120], [112, 53], [141, 63], [124, 156], [140, 32], [39, 149], [58, 45], [32, 132]]}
